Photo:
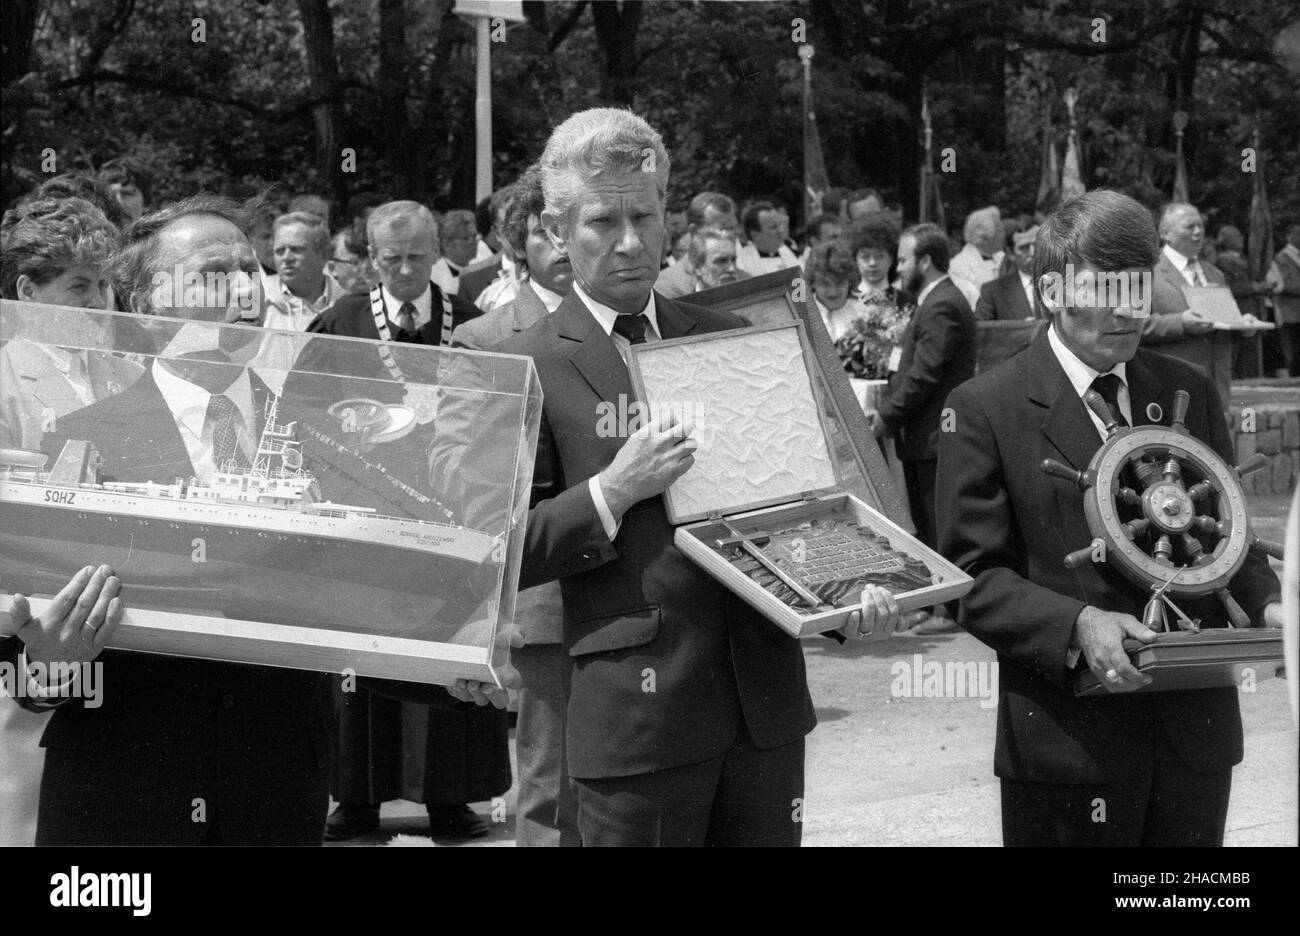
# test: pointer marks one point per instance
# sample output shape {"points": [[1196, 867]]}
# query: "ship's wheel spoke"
{"points": [[1147, 472], [1172, 470], [1135, 528], [1200, 490], [1195, 551], [1208, 524], [1164, 550], [1129, 497]]}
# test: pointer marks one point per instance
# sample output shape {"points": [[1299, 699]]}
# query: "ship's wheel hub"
{"points": [[1168, 508]]}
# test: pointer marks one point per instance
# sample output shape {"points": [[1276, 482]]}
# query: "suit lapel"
{"points": [[106, 376], [673, 321], [1067, 424], [1145, 389], [527, 308], [151, 446], [1019, 301], [593, 354]]}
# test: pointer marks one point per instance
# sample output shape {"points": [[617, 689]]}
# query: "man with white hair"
{"points": [[406, 305], [711, 258], [686, 710], [1173, 328], [980, 261]]}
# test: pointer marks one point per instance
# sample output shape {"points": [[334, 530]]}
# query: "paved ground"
{"points": [[919, 771]]}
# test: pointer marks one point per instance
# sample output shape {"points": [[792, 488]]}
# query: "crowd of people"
{"points": [[572, 265]]}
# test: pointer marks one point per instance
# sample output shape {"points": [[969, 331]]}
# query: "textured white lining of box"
{"points": [[756, 421]]}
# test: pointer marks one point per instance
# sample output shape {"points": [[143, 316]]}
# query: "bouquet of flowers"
{"points": [[864, 349]]}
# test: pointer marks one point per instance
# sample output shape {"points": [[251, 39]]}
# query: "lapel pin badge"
{"points": [[1154, 413]]}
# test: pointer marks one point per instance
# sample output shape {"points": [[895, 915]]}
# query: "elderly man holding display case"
{"points": [[714, 754]]}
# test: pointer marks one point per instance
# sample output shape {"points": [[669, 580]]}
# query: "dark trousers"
{"points": [[747, 796], [919, 476], [130, 798], [547, 804], [1161, 802]]}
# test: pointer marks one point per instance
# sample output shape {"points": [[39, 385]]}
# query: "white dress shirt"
{"points": [[288, 312], [1187, 266], [446, 276], [423, 307], [549, 297], [1081, 377], [749, 260], [503, 289], [605, 317], [188, 403], [969, 264]]}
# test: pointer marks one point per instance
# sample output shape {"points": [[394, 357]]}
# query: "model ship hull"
{"points": [[359, 574]]}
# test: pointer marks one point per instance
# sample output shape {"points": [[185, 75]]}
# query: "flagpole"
{"points": [[482, 110], [806, 52], [923, 212], [1072, 169], [1180, 193]]}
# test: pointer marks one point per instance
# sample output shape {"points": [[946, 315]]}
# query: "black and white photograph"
{"points": [[839, 423]]}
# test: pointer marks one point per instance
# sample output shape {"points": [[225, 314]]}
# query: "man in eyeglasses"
{"points": [[349, 266]]}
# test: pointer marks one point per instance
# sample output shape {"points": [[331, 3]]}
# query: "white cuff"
{"points": [[47, 694], [602, 509]]}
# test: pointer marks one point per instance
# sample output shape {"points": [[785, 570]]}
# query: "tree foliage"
{"points": [[276, 92]]}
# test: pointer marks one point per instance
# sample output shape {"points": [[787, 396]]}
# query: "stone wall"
{"points": [[1275, 407]]}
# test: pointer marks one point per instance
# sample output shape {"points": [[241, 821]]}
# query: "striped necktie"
{"points": [[226, 425]]}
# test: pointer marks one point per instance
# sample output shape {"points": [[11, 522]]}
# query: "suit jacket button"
{"points": [[227, 701]]}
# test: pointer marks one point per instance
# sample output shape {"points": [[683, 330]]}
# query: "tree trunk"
{"points": [[323, 70], [17, 28], [616, 29], [393, 89]]}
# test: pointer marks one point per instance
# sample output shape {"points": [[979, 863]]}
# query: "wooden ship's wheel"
{"points": [[1169, 513]]}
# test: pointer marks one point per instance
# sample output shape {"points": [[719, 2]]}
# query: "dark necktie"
{"points": [[631, 327], [406, 317], [1108, 386], [226, 423]]}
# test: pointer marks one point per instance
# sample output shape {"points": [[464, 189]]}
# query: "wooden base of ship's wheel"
{"points": [[1166, 511]]}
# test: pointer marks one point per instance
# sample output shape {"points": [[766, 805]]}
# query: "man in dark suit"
{"points": [[406, 305], [1123, 769], [546, 274], [185, 751], [937, 354], [1010, 298], [490, 218], [686, 711], [1173, 328]]}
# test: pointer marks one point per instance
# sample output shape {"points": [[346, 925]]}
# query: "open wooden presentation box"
{"points": [[764, 505]]}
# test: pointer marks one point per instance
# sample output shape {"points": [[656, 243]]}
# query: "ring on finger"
{"points": [[1112, 675]]}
